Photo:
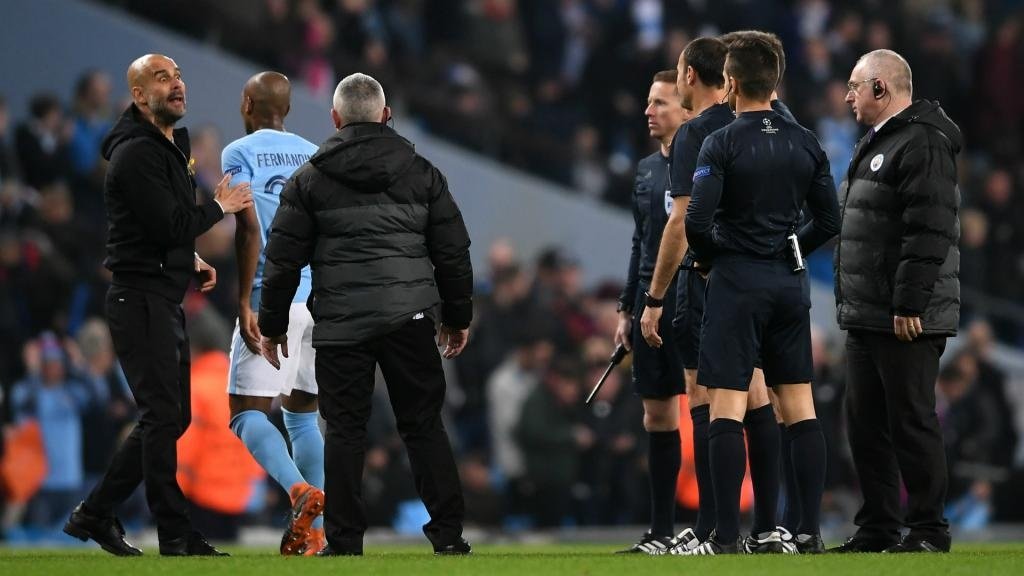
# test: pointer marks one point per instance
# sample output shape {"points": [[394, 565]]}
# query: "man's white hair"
{"points": [[889, 67], [359, 98]]}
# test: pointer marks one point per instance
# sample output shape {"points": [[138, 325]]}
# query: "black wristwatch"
{"points": [[652, 302]]}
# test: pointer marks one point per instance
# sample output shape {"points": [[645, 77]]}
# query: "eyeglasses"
{"points": [[853, 86]]}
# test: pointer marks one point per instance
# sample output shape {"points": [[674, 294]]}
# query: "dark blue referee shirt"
{"points": [[652, 203], [690, 136], [751, 181]]}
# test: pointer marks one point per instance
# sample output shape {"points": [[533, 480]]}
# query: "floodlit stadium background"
{"points": [[534, 110]]}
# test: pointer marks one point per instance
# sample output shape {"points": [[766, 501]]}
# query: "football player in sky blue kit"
{"points": [[266, 157]]}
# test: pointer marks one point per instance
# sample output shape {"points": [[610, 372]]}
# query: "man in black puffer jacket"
{"points": [[898, 295], [387, 245]]}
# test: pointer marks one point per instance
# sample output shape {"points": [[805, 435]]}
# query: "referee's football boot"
{"points": [[684, 542], [104, 530], [788, 545], [712, 547], [650, 544], [764, 543], [809, 544]]}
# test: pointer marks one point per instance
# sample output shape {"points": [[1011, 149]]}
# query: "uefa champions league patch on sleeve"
{"points": [[233, 170], [701, 172], [876, 162]]}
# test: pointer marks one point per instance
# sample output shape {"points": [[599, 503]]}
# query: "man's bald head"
{"points": [[268, 95], [890, 68], [144, 68], [157, 88]]}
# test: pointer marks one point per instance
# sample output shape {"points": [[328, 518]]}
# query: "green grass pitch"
{"points": [[519, 560]]}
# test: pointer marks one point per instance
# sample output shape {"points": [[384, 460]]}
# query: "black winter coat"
{"points": [[383, 235], [152, 217], [897, 252]]}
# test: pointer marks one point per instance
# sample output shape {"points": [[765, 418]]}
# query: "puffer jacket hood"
{"points": [[365, 157], [932, 114]]}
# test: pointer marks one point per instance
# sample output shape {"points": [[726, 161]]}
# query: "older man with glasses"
{"points": [[898, 296]]}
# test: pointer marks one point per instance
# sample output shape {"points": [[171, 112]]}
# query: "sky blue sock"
{"points": [[268, 447], [307, 448]]}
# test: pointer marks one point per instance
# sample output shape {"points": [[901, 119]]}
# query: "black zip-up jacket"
{"points": [[752, 178], [652, 203], [152, 216], [897, 252], [383, 235]]}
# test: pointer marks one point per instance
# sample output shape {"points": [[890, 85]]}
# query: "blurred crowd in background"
{"points": [[556, 88]]}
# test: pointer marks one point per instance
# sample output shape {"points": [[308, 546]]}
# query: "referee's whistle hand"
{"points": [[622, 331], [649, 326], [268, 346]]}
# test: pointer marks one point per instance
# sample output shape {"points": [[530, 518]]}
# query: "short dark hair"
{"points": [[754, 65], [669, 76], [707, 57], [776, 43], [42, 104]]}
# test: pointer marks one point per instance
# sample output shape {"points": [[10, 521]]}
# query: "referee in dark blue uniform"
{"points": [[701, 87], [751, 180], [657, 372]]}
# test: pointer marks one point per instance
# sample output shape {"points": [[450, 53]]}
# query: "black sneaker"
{"points": [[192, 545], [459, 548], [913, 543], [859, 544], [809, 544], [650, 544], [712, 547], [764, 543], [104, 530], [684, 542]]}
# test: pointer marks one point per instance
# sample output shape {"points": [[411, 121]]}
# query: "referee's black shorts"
{"points": [[689, 314], [753, 309], [657, 372]]}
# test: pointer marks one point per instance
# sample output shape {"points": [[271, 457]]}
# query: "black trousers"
{"points": [[894, 431], [150, 340], [411, 365]]}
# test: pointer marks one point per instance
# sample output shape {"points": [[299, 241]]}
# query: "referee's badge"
{"points": [[668, 201], [876, 162]]}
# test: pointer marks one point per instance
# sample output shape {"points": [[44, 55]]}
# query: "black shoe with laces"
{"points": [[457, 548], [192, 545], [809, 544], [331, 551], [913, 543], [713, 547], [650, 544], [861, 543], [104, 530]]}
